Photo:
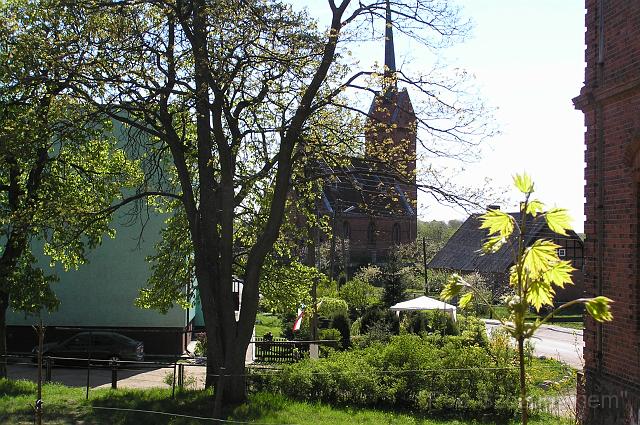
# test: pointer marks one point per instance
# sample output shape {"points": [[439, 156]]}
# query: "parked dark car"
{"points": [[98, 345]]}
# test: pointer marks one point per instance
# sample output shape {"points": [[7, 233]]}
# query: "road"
{"points": [[556, 342]]}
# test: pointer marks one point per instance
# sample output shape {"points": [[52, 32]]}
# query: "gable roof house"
{"points": [[463, 254], [372, 200]]}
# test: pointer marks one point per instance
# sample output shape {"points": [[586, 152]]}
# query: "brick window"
{"points": [[371, 233], [395, 233], [346, 230]]}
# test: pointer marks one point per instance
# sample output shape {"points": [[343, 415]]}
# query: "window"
{"points": [[562, 252], [395, 233], [371, 233], [346, 230]]}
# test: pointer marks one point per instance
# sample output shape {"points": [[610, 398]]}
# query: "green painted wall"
{"points": [[102, 292]]}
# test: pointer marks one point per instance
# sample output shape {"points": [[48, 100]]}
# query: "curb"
{"points": [[554, 328]]}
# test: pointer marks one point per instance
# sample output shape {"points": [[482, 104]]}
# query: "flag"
{"points": [[298, 322]]}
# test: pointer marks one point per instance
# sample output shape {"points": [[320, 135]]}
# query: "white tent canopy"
{"points": [[426, 303]]}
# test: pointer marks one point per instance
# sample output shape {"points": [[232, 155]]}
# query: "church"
{"points": [[372, 200]]}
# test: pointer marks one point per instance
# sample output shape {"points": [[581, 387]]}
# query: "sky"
{"points": [[528, 61]]}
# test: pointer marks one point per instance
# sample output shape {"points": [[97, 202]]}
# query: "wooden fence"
{"points": [[279, 350]]}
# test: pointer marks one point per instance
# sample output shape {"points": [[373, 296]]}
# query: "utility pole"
{"points": [[424, 262]]}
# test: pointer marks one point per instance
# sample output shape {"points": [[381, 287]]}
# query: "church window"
{"points": [[371, 233], [395, 233], [346, 230]]}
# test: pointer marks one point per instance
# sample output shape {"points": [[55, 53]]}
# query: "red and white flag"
{"points": [[298, 322]]}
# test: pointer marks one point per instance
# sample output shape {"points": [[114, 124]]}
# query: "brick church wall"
{"points": [[610, 100]]}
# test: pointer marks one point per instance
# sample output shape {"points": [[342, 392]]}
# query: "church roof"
{"points": [[364, 187]]}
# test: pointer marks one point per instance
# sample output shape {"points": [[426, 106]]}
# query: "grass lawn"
{"points": [[550, 377], [64, 405], [268, 323]]}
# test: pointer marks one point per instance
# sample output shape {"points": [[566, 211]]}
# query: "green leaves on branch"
{"points": [[454, 287], [523, 183], [537, 269], [558, 220], [599, 308]]}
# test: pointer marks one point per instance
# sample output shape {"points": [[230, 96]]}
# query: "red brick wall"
{"points": [[610, 100]]}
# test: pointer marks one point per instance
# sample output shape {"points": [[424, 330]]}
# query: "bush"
{"points": [[379, 314], [409, 372], [332, 307], [430, 322], [342, 323], [359, 295], [330, 335]]}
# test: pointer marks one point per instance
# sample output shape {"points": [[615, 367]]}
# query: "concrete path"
{"points": [[556, 342]]}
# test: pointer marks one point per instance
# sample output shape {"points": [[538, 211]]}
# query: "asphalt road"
{"points": [[555, 342]]}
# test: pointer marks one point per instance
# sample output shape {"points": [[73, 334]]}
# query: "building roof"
{"points": [[462, 251], [364, 187]]}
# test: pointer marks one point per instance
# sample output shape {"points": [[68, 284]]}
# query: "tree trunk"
{"points": [[4, 305]]}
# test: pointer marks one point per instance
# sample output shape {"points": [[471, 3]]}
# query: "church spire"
{"points": [[390, 83]]}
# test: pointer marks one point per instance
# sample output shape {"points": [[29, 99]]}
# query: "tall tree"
{"points": [[57, 163], [232, 94]]}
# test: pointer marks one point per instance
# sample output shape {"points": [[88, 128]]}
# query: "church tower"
{"points": [[390, 132]]}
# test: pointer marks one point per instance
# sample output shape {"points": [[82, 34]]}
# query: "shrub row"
{"points": [[431, 373]]}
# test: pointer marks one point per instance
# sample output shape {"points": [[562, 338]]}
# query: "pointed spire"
{"points": [[389, 55]]}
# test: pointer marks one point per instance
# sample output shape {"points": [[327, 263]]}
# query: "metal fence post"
{"points": [[114, 374], [180, 376], [48, 369], [173, 383]]}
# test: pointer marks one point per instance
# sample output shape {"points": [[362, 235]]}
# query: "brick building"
{"points": [[372, 201], [610, 100]]}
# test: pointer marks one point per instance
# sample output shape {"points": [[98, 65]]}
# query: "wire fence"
{"points": [[179, 374]]}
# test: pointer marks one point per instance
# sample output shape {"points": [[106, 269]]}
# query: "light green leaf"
{"points": [[558, 220], [540, 257], [493, 244], [535, 207], [559, 274], [497, 222], [523, 182], [453, 287], [465, 299], [540, 293], [599, 308]]}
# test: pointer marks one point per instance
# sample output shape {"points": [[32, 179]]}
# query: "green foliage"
{"points": [[537, 270], [379, 319], [332, 307], [409, 372], [342, 323], [67, 405], [331, 334], [172, 267], [394, 283], [429, 322], [285, 287], [359, 295]]}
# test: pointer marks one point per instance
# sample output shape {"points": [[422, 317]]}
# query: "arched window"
{"points": [[346, 230], [371, 233], [395, 233]]}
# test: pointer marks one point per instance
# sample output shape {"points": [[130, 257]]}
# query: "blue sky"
{"points": [[528, 61]]}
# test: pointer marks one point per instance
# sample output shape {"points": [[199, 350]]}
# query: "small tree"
{"points": [[536, 270]]}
